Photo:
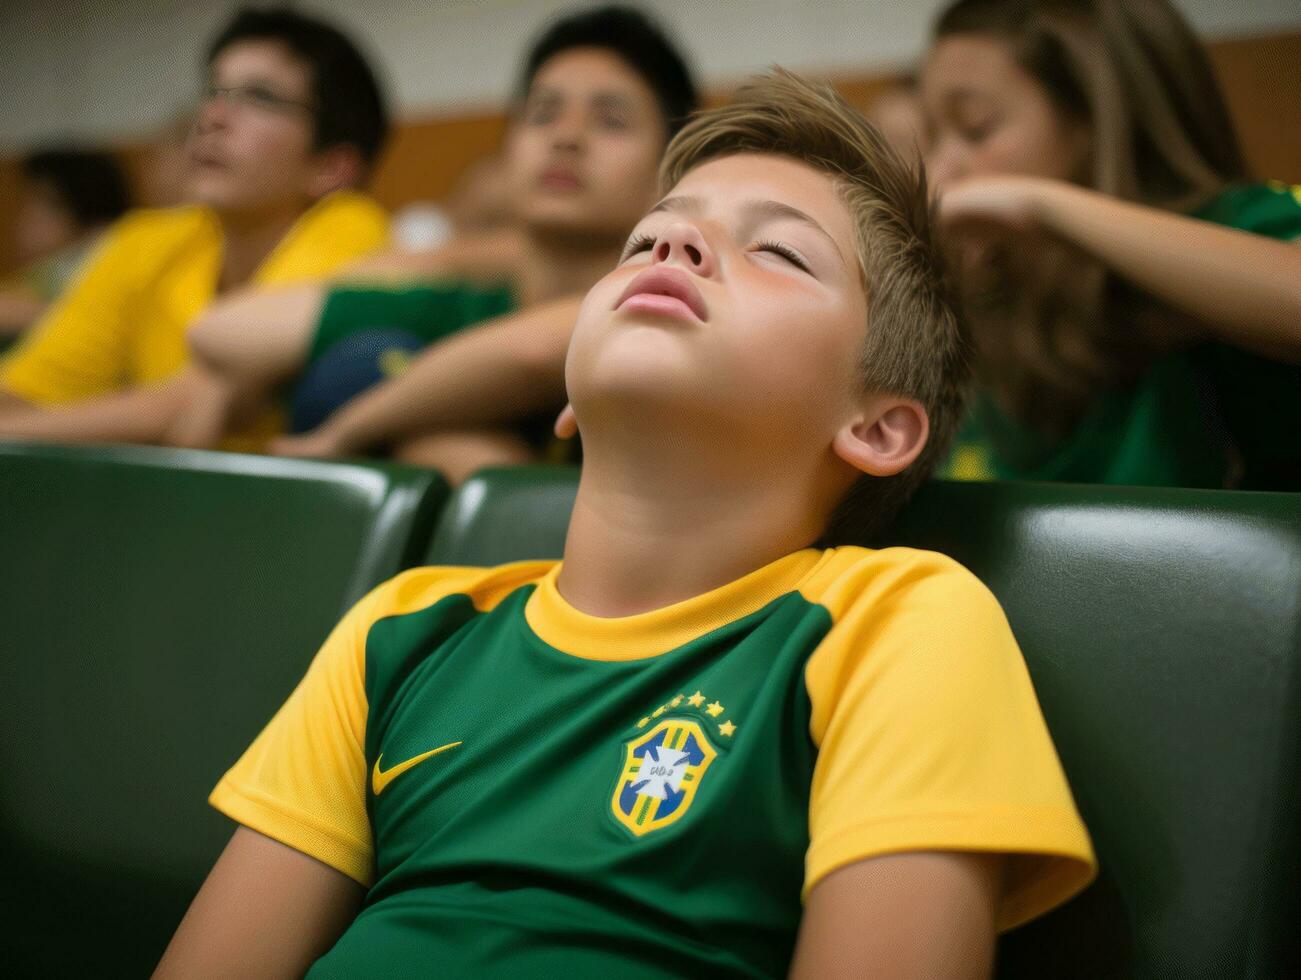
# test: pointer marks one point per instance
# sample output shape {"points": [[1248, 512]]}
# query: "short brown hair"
{"points": [[916, 342]]}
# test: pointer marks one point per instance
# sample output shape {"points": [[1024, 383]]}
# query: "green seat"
{"points": [[1163, 632], [158, 606]]}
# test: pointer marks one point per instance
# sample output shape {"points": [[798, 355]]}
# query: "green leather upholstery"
{"points": [[1163, 632], [158, 607], [504, 515]]}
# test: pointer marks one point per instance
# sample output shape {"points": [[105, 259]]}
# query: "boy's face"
{"points": [[251, 147], [584, 151], [739, 299]]}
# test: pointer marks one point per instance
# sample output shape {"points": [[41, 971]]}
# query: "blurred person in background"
{"points": [[600, 94], [66, 200], [290, 123], [897, 114], [1135, 298]]}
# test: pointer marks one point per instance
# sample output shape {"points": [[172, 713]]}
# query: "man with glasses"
{"points": [[291, 120]]}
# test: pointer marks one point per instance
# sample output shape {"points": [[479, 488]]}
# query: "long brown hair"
{"points": [[1057, 329]]}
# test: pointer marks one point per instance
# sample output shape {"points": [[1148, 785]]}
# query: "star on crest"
{"points": [[726, 729], [696, 700], [715, 709]]}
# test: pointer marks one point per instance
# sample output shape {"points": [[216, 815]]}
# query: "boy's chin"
{"points": [[639, 366]]}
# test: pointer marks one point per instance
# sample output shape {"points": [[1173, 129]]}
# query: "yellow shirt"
{"points": [[122, 323]]}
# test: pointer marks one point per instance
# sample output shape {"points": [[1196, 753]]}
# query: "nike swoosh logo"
{"points": [[381, 778]]}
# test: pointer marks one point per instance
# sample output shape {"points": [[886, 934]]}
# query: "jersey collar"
{"points": [[560, 625]]}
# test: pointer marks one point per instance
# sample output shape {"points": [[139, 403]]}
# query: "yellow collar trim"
{"points": [[649, 634]]}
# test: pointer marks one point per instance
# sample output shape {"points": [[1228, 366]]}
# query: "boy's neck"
{"points": [[557, 265], [648, 531], [248, 238]]}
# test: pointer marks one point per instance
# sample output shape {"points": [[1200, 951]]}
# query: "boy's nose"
{"points": [[683, 244]]}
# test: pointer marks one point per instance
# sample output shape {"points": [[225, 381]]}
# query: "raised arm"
{"points": [[265, 911], [502, 370], [906, 916], [258, 337], [1244, 287]]}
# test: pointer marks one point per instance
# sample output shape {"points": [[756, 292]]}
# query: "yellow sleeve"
{"points": [[303, 780], [930, 736], [76, 350], [337, 230]]}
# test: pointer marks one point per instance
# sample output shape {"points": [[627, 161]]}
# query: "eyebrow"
{"points": [[601, 99], [755, 210], [612, 100]]}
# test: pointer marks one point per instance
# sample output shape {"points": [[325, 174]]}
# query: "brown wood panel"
{"points": [[1261, 77], [425, 157]]}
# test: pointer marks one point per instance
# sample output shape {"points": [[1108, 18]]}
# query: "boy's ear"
{"points": [[886, 439], [566, 426], [337, 167]]}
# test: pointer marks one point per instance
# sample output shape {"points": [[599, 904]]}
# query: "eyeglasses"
{"points": [[254, 97]]}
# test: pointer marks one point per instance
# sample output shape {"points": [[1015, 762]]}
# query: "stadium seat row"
{"points": [[158, 606]]}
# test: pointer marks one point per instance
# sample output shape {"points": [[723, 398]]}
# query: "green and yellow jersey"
{"points": [[526, 790]]}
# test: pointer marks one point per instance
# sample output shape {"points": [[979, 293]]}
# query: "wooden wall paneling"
{"points": [[1261, 77]]}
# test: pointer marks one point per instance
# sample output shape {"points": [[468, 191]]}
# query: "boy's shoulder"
{"points": [[852, 580], [145, 241], [420, 588], [160, 227]]}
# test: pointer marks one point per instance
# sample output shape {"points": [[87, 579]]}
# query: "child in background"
{"points": [[67, 199], [290, 121], [600, 95], [1136, 301], [701, 745]]}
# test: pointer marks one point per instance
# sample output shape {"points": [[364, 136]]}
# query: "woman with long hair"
{"points": [[1135, 302]]}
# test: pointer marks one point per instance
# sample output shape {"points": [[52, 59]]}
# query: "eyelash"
{"points": [[639, 243], [785, 252]]}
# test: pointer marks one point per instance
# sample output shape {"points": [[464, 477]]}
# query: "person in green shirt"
{"points": [[600, 94], [1136, 298]]}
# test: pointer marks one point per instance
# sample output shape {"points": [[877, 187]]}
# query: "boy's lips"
{"points": [[665, 290]]}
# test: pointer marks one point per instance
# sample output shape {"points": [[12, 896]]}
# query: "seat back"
{"points": [[158, 606], [1163, 632]]}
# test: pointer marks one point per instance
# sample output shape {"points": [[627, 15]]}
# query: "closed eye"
{"points": [[638, 243], [786, 252]]}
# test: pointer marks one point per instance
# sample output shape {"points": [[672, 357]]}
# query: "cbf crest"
{"points": [[662, 772]]}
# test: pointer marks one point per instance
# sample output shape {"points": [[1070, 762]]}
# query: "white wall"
{"points": [[115, 69]]}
